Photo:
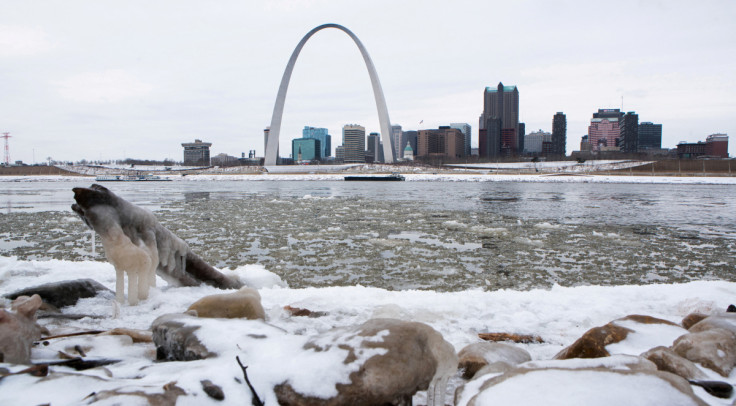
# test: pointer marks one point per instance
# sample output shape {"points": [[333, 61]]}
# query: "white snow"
{"points": [[566, 387], [559, 315]]}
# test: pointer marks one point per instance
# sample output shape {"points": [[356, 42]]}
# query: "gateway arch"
{"points": [[272, 144]]}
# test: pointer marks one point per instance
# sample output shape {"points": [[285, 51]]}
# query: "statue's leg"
{"points": [[144, 281], [133, 287], [119, 285]]}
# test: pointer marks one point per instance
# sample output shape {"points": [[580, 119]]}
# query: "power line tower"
{"points": [[7, 149]]}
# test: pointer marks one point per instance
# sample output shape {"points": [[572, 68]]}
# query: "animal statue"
{"points": [[138, 246]]}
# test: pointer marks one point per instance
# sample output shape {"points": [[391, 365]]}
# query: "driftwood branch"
{"points": [[255, 401], [81, 333], [517, 338]]}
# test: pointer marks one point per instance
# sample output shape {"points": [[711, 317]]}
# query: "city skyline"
{"points": [[85, 81]]}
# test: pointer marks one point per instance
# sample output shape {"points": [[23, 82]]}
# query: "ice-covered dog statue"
{"points": [[139, 246]]}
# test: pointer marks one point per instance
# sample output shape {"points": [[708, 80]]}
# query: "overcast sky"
{"points": [[115, 79]]}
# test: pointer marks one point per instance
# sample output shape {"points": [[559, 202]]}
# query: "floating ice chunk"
{"points": [[529, 241], [454, 225], [547, 226], [484, 231]]}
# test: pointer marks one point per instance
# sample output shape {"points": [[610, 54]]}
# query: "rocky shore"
{"points": [[189, 356]]}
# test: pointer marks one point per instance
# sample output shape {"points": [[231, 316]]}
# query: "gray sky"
{"points": [[115, 79]]}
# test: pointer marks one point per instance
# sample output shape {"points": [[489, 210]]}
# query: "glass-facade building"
{"points": [[306, 149], [323, 136], [650, 136]]}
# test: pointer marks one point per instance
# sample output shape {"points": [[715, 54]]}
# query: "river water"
{"points": [[447, 236]]}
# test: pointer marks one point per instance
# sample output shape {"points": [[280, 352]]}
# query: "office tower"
{"points": [[559, 134], [489, 139], [321, 134], [397, 140], [650, 136], [372, 147], [306, 149], [353, 142], [466, 130], [197, 153], [266, 131], [629, 132], [522, 132], [502, 104], [444, 142], [604, 131]]}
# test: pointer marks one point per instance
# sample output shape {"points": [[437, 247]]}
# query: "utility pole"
{"points": [[7, 149]]}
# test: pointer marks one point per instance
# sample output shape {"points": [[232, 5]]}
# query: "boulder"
{"points": [[393, 360], [243, 304], [175, 339], [553, 386], [65, 293], [18, 330], [714, 349], [691, 319], [667, 360], [594, 343], [477, 355], [726, 321]]}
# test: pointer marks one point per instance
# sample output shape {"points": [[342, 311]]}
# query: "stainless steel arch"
{"points": [[272, 144]]}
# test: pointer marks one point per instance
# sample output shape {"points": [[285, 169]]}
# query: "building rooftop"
{"points": [[505, 89]]}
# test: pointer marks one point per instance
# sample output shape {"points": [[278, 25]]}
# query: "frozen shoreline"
{"points": [[559, 315]]}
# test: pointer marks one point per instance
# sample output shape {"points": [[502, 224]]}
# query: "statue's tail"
{"points": [[203, 272]]}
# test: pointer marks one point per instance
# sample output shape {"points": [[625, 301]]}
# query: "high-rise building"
{"points": [[397, 140], [629, 132], [321, 134], [522, 132], [306, 149], [559, 134], [604, 131], [650, 136], [444, 142], [353, 142], [266, 131], [489, 139], [502, 103], [373, 145], [197, 153], [466, 130]]}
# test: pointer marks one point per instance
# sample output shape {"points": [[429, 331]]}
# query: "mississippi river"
{"points": [[446, 236]]}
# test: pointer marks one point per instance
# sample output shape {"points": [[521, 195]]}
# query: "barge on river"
{"points": [[381, 178]]}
